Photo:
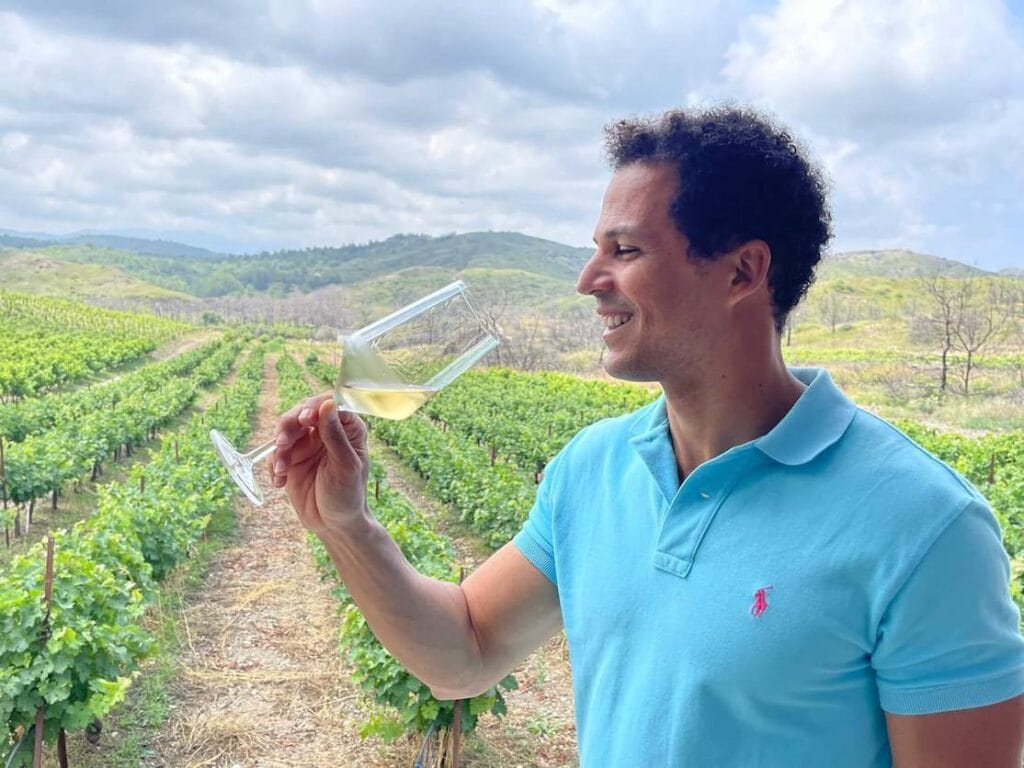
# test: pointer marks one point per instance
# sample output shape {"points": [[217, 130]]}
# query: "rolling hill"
{"points": [[286, 271], [35, 272], [897, 263]]}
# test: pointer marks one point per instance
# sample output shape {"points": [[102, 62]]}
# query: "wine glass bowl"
{"points": [[389, 368]]}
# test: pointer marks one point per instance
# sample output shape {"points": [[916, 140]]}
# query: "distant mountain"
{"points": [[305, 270], [896, 263], [140, 245], [170, 248], [1012, 272], [11, 239]]}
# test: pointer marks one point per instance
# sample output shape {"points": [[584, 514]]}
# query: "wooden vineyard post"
{"points": [[992, 469], [62, 749], [44, 636]]}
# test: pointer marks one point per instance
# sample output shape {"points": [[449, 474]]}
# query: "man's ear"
{"points": [[748, 264]]}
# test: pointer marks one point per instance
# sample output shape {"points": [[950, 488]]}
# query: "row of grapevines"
{"points": [[291, 382], [492, 499], [44, 463], [528, 417], [49, 343], [61, 315], [32, 415], [78, 660], [431, 554]]}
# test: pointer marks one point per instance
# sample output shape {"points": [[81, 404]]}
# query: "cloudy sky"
{"points": [[288, 123]]}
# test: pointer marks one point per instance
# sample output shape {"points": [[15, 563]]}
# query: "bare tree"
{"points": [[834, 309], [941, 318], [1015, 320], [493, 305], [796, 314], [979, 314], [529, 350]]}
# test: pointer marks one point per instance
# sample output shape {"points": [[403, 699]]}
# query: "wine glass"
{"points": [[389, 368]]}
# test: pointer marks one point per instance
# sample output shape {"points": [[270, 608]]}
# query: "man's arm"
{"points": [[459, 640], [984, 737]]}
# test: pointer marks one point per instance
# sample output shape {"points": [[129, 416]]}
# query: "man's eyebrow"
{"points": [[617, 231]]}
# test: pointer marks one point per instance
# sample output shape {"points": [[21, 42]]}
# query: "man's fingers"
{"points": [[295, 422]]}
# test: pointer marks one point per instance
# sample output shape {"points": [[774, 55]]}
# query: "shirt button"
{"points": [[705, 495]]}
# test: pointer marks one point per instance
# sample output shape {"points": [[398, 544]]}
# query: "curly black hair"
{"points": [[741, 178]]}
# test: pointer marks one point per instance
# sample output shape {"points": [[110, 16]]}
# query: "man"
{"points": [[750, 571]]}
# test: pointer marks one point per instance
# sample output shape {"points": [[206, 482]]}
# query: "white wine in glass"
{"points": [[390, 368]]}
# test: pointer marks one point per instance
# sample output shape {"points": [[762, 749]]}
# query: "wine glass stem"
{"points": [[260, 453]]}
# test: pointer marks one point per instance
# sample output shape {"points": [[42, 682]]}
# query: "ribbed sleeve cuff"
{"points": [[926, 701], [536, 553]]}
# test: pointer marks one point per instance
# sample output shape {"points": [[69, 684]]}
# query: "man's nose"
{"points": [[593, 277]]}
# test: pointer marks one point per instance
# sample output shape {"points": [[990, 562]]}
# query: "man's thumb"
{"points": [[336, 438]]}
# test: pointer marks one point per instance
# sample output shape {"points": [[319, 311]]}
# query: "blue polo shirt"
{"points": [[768, 610]]}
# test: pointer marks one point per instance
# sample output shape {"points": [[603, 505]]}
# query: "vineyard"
{"points": [[79, 395], [49, 343]]}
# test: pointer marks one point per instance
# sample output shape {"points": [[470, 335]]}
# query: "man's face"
{"points": [[659, 307]]}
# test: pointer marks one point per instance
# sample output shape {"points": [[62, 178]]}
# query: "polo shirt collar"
{"points": [[818, 419]]}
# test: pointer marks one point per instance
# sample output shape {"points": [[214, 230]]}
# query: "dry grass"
{"points": [[261, 682]]}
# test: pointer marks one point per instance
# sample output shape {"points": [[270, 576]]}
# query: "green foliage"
{"points": [[82, 664], [49, 342], [376, 671], [33, 415], [125, 412], [291, 383]]}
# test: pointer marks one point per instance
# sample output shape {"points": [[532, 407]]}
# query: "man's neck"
{"points": [[727, 406]]}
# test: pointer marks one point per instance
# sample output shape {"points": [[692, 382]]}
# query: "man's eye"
{"points": [[625, 250]]}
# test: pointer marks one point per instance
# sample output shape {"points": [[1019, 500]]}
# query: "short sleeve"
{"points": [[950, 638], [536, 539]]}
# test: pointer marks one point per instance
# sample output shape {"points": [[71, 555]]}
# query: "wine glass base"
{"points": [[238, 466]]}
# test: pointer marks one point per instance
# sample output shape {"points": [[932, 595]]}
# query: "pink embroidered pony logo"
{"points": [[760, 602]]}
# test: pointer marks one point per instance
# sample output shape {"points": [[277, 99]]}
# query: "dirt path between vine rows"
{"points": [[261, 683], [183, 344]]}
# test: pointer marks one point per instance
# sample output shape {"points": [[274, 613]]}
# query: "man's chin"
{"points": [[625, 370]]}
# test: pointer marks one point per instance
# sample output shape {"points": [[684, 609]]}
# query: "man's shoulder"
{"points": [[879, 450]]}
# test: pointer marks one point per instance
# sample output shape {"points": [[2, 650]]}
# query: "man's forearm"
{"points": [[423, 622]]}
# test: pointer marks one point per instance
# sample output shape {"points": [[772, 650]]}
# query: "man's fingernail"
{"points": [[282, 439], [279, 467], [304, 414]]}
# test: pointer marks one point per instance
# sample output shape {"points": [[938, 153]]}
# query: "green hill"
{"points": [[34, 272], [892, 263], [305, 270]]}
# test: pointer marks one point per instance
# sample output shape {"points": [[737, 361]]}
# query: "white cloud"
{"points": [[312, 122], [879, 68]]}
